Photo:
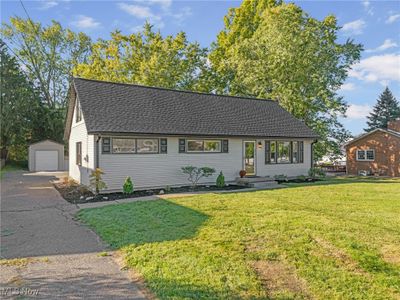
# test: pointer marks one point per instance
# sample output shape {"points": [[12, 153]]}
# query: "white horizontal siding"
{"points": [[79, 134], [150, 170], [160, 170]]}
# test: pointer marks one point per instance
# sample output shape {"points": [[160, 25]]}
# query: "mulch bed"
{"points": [[77, 194], [297, 180]]}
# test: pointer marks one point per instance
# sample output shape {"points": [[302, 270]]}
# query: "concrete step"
{"points": [[268, 184], [250, 180]]}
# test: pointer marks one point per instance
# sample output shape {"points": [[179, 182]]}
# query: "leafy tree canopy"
{"points": [[270, 49], [48, 54], [146, 58], [19, 101], [387, 108]]}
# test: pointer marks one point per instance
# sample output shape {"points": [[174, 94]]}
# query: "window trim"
{"points": [[365, 154], [78, 162], [300, 152], [130, 138], [203, 141]]}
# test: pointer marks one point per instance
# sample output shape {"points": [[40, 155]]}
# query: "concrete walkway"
{"points": [[64, 260]]}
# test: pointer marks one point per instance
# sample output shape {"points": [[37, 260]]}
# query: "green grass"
{"points": [[337, 239]]}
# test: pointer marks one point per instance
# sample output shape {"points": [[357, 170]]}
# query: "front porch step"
{"points": [[254, 179], [257, 182], [266, 185]]}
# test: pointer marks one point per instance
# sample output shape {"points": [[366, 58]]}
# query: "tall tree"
{"points": [[19, 105], [48, 54], [269, 49], [387, 108], [146, 58]]}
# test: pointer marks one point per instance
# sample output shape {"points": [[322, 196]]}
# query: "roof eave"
{"points": [[96, 132]]}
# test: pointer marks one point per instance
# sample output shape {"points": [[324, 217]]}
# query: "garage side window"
{"points": [[79, 153]]}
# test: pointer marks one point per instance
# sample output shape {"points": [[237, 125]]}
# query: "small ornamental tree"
{"points": [[220, 180], [96, 181], [128, 186], [195, 173]]}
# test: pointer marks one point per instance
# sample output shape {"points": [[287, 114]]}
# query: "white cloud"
{"points": [[367, 7], [142, 12], [164, 4], [138, 11], [182, 14], [392, 19], [348, 87], [353, 28], [378, 68], [147, 11], [356, 111], [85, 22], [387, 44], [46, 4]]}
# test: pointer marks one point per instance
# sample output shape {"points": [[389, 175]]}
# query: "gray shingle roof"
{"points": [[126, 108]]}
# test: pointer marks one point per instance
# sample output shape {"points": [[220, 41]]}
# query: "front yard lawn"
{"points": [[338, 239]]}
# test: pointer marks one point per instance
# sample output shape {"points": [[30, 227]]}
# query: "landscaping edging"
{"points": [[78, 194], [167, 196]]}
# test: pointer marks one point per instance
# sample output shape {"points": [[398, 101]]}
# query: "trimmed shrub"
{"points": [[128, 186], [220, 180]]}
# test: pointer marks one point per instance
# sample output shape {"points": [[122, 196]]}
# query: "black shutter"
{"points": [[301, 152], [163, 146], [106, 145], [225, 146], [182, 145], [267, 152], [291, 152]]}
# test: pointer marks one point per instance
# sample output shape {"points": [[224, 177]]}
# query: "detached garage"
{"points": [[46, 155]]}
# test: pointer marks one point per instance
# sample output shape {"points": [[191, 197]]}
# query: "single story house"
{"points": [[150, 133], [376, 152]]}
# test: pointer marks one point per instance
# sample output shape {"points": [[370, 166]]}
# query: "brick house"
{"points": [[376, 152]]}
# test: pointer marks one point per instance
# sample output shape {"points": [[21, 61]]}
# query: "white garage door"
{"points": [[46, 160]]}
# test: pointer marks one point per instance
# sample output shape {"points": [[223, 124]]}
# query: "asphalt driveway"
{"points": [[64, 260]]}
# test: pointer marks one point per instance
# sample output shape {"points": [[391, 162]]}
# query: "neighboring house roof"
{"points": [[126, 108], [397, 134]]}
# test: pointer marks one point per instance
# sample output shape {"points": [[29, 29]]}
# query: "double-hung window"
{"points": [[365, 155], [125, 145], [204, 146]]}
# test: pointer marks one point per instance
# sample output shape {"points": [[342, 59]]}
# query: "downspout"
{"points": [[312, 153], [97, 152]]}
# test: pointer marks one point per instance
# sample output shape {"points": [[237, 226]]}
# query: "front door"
{"points": [[249, 150]]}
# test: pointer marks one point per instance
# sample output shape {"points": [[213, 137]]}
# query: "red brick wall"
{"points": [[387, 154]]}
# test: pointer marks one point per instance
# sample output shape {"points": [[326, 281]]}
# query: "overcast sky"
{"points": [[375, 24]]}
